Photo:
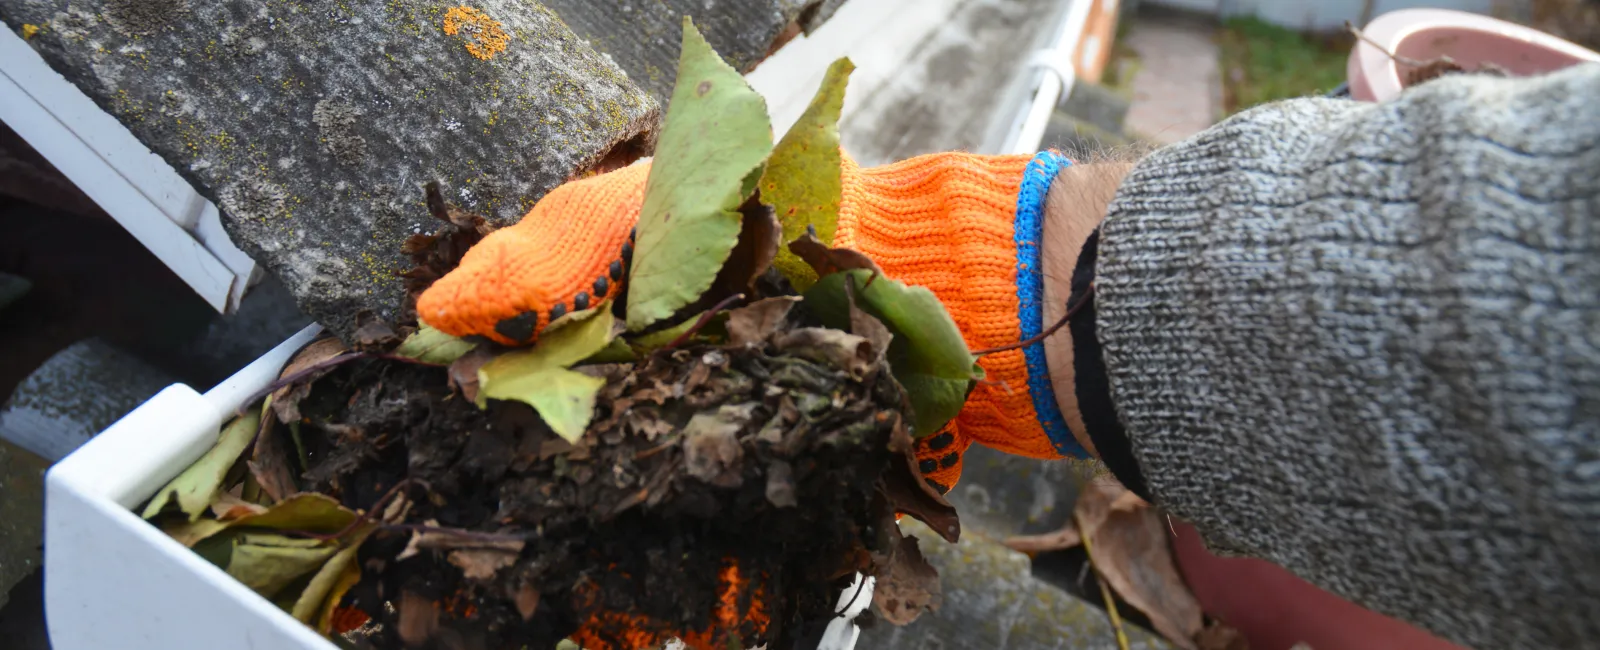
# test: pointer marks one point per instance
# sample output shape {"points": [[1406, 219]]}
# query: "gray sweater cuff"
{"points": [[1363, 342]]}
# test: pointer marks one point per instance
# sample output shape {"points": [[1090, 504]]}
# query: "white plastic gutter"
{"points": [[1057, 59]]}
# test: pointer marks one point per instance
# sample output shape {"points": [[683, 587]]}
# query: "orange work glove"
{"points": [[965, 226]]}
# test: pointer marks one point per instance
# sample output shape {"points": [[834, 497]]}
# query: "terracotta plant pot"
{"points": [[1470, 40]]}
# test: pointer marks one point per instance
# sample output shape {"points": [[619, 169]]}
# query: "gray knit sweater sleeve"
{"points": [[1363, 342]]}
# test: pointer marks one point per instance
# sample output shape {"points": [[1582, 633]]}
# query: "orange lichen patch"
{"points": [[484, 36]]}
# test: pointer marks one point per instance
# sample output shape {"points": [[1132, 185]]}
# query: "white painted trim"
{"points": [[136, 187]]}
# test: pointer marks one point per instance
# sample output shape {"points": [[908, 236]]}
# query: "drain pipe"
{"points": [[1059, 76]]}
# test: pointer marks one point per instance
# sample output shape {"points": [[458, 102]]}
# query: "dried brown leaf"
{"points": [[227, 507], [908, 493], [463, 371], [867, 326], [373, 334], [481, 563], [907, 585], [760, 235], [419, 619], [711, 450], [827, 260], [286, 400], [780, 485], [1132, 554], [752, 323], [271, 464], [837, 348], [1218, 636], [527, 600]]}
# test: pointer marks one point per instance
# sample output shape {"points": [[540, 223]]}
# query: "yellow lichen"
{"points": [[29, 31], [484, 36]]}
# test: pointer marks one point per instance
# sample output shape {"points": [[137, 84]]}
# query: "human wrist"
{"points": [[1074, 208]]}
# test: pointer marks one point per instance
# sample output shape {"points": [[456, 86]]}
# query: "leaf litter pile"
{"points": [[711, 458]]}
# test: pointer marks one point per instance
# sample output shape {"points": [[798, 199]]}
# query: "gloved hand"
{"points": [[965, 226]]}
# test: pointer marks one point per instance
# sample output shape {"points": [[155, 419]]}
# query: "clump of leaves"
{"points": [[721, 378]]}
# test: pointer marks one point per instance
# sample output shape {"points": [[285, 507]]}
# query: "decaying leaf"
{"points": [[286, 400], [463, 372], [708, 160], [803, 179], [419, 619], [780, 485], [759, 241], [906, 584], [752, 323], [928, 355], [1219, 636], [1131, 553], [315, 605], [373, 333], [266, 563], [527, 600], [539, 376], [270, 463], [481, 563], [435, 254], [824, 260], [198, 486], [908, 493], [867, 326], [835, 347], [226, 507], [711, 450], [433, 346], [317, 513]]}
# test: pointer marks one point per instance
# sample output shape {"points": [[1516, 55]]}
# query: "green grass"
{"points": [[1262, 62]]}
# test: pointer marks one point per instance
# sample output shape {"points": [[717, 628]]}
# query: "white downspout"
{"points": [[1052, 87]]}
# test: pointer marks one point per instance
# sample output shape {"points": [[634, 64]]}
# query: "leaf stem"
{"points": [[474, 535], [704, 319], [1088, 295]]}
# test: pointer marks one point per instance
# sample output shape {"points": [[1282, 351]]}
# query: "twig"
{"points": [[299, 375], [474, 535], [703, 320], [1088, 295], [1105, 592], [1403, 60]]}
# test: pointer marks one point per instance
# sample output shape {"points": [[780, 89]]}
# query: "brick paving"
{"points": [[1177, 90]]}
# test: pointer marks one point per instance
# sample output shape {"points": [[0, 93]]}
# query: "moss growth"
{"points": [[1262, 62]]}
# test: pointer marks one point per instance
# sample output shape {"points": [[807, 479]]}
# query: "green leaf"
{"points": [[317, 513], [708, 160], [268, 563], [199, 484], [927, 354], [315, 605], [433, 346], [802, 182], [538, 376]]}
